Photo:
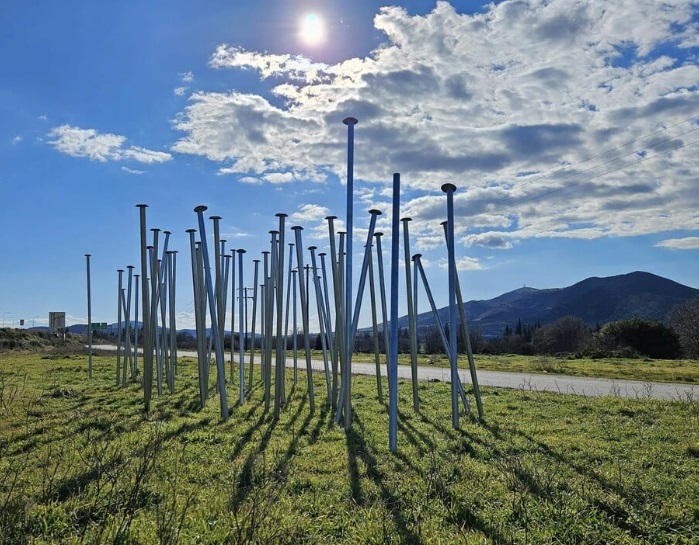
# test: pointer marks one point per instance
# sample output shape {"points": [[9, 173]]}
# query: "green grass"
{"points": [[686, 371], [81, 463]]}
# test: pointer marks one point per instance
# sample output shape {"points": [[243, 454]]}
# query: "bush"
{"points": [[651, 339], [566, 335]]}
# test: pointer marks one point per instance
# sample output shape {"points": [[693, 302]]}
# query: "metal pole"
{"points": [[329, 329], [214, 318], [347, 387], [304, 305], [296, 348], [119, 296], [375, 331], [321, 319], [89, 320], [467, 340], [411, 313], [203, 383], [337, 298], [435, 313], [253, 339], [280, 366], [384, 309], [241, 327], [393, 357], [127, 319], [449, 190], [147, 345], [134, 369]]}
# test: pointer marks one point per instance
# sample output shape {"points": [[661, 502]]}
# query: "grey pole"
{"points": [[119, 297], [233, 288], [411, 313], [89, 320], [288, 299], [467, 340], [127, 319], [280, 365], [363, 274], [449, 190], [321, 319], [221, 375], [329, 329], [347, 386], [296, 348], [202, 365], [393, 357], [382, 292], [134, 369], [341, 319], [337, 298], [173, 323], [147, 345], [304, 305], [253, 339], [419, 269], [375, 330], [241, 327]]}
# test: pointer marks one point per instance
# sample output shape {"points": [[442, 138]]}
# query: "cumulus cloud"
{"points": [[309, 212], [687, 243], [102, 147], [554, 119], [180, 91]]}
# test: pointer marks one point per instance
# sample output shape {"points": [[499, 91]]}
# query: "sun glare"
{"points": [[312, 31]]}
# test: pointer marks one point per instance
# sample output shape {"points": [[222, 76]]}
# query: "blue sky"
{"points": [[569, 127]]}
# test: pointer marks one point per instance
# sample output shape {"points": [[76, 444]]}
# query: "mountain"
{"points": [[595, 300]]}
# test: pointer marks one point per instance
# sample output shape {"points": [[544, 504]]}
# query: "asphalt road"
{"points": [[594, 387]]}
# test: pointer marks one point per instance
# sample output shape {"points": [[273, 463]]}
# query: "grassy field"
{"points": [[686, 371], [81, 463]]}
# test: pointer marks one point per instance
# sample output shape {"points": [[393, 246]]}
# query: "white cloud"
{"points": [[186, 77], [102, 147], [519, 106], [309, 212], [463, 263], [16, 140], [180, 91], [132, 170], [687, 243]]}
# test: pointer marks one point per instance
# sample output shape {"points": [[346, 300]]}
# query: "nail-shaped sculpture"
{"points": [[451, 259], [214, 318], [89, 320]]}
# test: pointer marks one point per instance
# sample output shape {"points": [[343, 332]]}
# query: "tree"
{"points": [[684, 319], [651, 339], [567, 334]]}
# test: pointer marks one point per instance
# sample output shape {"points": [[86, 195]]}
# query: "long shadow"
{"points": [[621, 517], [357, 449]]}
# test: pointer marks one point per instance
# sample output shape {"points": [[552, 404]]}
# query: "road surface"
{"points": [[563, 384]]}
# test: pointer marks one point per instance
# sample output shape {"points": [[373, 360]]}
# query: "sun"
{"points": [[312, 30]]}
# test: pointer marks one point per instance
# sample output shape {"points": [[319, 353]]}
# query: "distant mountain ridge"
{"points": [[594, 300]]}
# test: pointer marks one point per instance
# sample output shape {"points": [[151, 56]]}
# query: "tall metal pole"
{"points": [[375, 330], [350, 122], [253, 339], [89, 320], [382, 292], [411, 313], [393, 357], [241, 326], [118, 355], [147, 345], [467, 339], [127, 327], [134, 369], [337, 298], [221, 374], [280, 364], [449, 190], [304, 305], [320, 309]]}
